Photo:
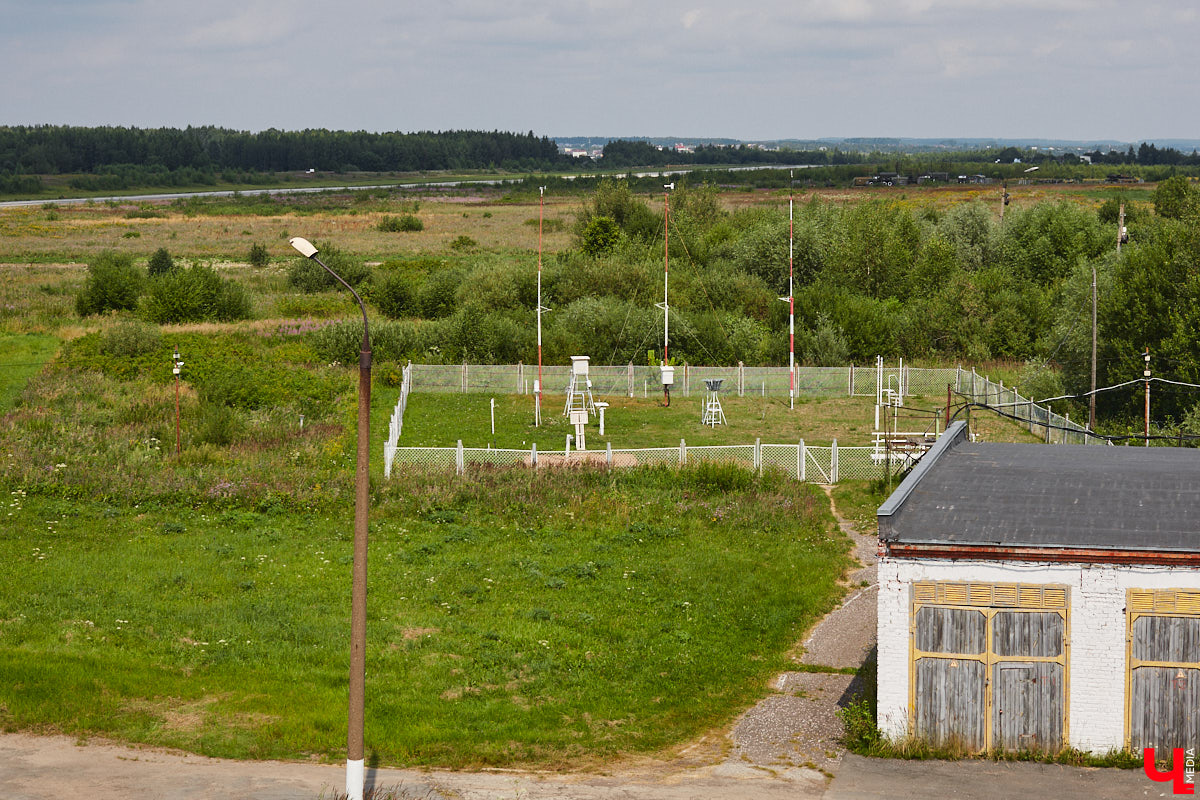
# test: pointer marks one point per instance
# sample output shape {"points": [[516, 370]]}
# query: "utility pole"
{"points": [[1122, 237], [1122, 234], [1146, 375]]}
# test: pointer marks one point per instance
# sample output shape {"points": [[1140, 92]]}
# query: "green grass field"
{"points": [[513, 618]]}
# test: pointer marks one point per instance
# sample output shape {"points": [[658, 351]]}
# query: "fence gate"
{"points": [[989, 663], [1163, 680]]}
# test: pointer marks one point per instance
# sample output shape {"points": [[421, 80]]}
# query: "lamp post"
{"points": [[358, 593]]}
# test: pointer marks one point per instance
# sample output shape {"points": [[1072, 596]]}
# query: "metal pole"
{"points": [[355, 767], [1146, 375], [791, 305], [537, 400], [1092, 396], [177, 365]]}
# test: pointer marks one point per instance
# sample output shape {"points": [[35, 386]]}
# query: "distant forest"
{"points": [[119, 158]]}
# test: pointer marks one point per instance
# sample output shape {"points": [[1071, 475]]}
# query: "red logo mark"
{"points": [[1178, 775]]}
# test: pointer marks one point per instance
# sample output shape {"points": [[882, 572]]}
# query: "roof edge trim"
{"points": [[956, 433]]}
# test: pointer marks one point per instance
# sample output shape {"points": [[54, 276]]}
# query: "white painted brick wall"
{"points": [[1097, 634]]}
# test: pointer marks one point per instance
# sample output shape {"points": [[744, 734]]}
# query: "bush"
{"points": [[308, 276], [463, 242], [196, 294], [160, 263], [113, 284], [218, 425], [130, 339], [401, 224], [395, 296], [600, 236], [259, 255]]}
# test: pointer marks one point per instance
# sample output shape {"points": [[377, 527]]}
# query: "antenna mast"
{"points": [[537, 389], [791, 305]]}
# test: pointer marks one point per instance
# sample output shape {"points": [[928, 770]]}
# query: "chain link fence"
{"points": [[1051, 427]]}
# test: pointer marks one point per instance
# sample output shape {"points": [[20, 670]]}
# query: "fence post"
{"points": [[850, 392], [533, 455], [520, 375], [800, 461], [682, 452], [631, 379], [459, 465], [741, 379], [463, 382], [758, 465], [833, 462], [608, 453], [687, 385]]}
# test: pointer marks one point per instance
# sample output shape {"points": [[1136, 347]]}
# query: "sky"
{"points": [[742, 69]]}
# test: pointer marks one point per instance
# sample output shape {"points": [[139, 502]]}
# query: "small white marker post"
{"points": [[600, 407], [493, 416]]}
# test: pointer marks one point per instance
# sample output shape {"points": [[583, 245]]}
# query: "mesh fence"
{"points": [[741, 454], [635, 380], [812, 464], [1051, 427]]}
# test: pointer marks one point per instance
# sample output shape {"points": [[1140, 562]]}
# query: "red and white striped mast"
{"points": [[537, 387], [791, 307], [666, 264]]}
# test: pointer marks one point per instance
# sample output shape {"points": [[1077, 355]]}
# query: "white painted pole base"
{"points": [[355, 778]]}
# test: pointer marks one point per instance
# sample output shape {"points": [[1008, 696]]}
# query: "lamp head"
{"points": [[303, 246]]}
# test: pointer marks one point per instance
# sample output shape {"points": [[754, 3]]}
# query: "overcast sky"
{"points": [[744, 69]]}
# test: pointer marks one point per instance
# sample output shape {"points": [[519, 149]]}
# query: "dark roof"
{"points": [[1056, 496]]}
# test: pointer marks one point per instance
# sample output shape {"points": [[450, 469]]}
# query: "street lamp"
{"points": [[358, 592]]}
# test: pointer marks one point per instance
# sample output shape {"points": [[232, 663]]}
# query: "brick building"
{"points": [[1041, 596]]}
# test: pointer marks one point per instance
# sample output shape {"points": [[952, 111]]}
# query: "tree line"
{"points": [[59, 149]]}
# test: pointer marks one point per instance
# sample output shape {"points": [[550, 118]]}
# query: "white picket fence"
{"points": [[396, 424]]}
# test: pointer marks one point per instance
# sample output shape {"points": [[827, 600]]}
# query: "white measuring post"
{"points": [[600, 407]]}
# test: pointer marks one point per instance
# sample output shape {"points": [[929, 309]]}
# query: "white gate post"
{"points": [[533, 455], [459, 464], [682, 452], [758, 465], [833, 463], [608, 453]]}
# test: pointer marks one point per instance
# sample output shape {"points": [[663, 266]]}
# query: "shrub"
{"points": [[395, 296], [407, 222], [463, 242], [600, 236], [259, 256], [308, 276], [196, 294], [160, 263], [218, 425], [113, 284], [130, 339]]}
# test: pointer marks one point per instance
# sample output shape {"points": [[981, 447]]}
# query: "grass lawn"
{"points": [[21, 356], [513, 618]]}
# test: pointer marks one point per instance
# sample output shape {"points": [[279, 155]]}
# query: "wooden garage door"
{"points": [[1163, 696], [989, 665]]}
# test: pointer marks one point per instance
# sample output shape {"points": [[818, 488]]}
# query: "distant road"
{"points": [[317, 189]]}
